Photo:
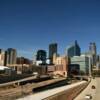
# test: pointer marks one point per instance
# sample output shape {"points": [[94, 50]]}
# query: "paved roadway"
{"points": [[19, 90], [17, 81], [51, 92], [20, 80], [94, 92], [97, 96]]}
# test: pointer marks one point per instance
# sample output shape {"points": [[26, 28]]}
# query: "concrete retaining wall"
{"points": [[69, 94]]}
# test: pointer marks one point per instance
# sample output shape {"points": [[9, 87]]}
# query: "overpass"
{"points": [[24, 90], [52, 92], [27, 79], [17, 81]]}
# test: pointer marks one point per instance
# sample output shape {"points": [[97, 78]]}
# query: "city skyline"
{"points": [[32, 25]]}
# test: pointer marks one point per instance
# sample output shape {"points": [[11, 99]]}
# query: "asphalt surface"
{"points": [[20, 91], [95, 93], [48, 93]]}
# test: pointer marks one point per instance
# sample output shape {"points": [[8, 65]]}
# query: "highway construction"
{"points": [[32, 86]]}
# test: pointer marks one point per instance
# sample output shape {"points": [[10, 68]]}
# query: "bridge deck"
{"points": [[48, 93]]}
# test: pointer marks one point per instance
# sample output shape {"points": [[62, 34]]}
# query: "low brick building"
{"points": [[60, 66], [41, 69]]}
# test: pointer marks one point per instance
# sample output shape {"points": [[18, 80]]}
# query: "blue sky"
{"points": [[28, 25]]}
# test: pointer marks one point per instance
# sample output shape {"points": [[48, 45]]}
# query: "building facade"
{"points": [[10, 56], [73, 69], [2, 57], [41, 69], [61, 65], [34, 58], [92, 48], [73, 50], [52, 51], [83, 62], [41, 56], [93, 51]]}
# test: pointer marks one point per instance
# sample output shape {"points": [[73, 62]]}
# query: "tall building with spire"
{"points": [[92, 48], [93, 52], [73, 50]]}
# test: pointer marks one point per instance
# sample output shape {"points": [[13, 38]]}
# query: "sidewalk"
{"points": [[88, 90]]}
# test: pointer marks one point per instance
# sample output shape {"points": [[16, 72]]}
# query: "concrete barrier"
{"points": [[69, 94]]}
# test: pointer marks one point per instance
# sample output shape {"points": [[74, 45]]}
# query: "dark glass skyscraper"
{"points": [[52, 51], [73, 50], [10, 56], [41, 55]]}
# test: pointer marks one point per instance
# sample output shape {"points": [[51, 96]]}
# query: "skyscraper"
{"points": [[41, 56], [2, 57], [93, 52], [34, 58], [73, 50], [52, 51], [93, 49], [10, 56]]}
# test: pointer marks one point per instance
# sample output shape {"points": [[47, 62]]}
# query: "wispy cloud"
{"points": [[25, 51]]}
